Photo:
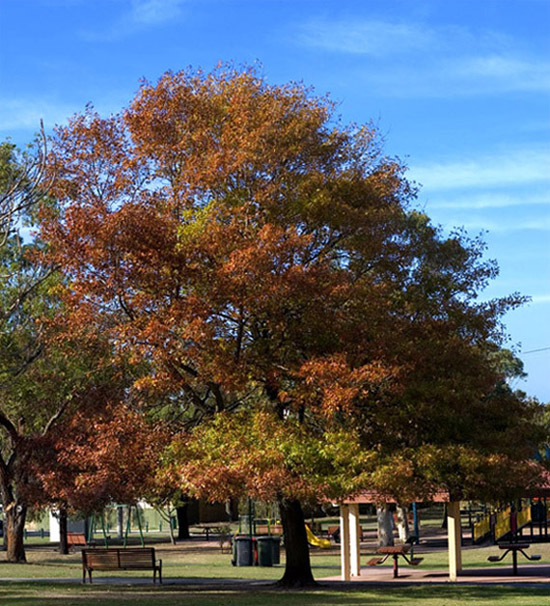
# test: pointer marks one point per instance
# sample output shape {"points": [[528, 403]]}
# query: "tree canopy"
{"points": [[252, 254]]}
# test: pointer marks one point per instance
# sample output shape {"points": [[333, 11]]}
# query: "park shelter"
{"points": [[350, 530]]}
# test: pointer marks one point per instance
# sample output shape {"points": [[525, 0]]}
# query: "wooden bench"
{"points": [[76, 539], [135, 558]]}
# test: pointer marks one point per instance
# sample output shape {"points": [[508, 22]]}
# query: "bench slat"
{"points": [[374, 561], [102, 560]]}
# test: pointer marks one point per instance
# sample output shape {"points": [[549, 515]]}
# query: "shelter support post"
{"points": [[455, 539], [355, 537], [345, 542]]}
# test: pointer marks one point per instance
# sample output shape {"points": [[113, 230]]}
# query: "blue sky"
{"points": [[460, 89]]}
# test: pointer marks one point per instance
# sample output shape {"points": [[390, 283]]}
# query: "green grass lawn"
{"points": [[204, 560], [196, 560], [49, 594]]}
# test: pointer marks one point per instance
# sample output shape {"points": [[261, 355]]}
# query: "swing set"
{"points": [[97, 521]]}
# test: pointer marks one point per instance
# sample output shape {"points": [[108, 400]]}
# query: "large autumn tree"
{"points": [[256, 255]]}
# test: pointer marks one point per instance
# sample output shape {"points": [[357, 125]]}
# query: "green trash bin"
{"points": [[265, 551], [276, 547]]}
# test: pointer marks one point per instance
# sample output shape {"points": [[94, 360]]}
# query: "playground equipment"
{"points": [[97, 521], [316, 541], [511, 521]]}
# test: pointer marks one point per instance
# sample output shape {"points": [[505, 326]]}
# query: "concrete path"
{"points": [[535, 573]]}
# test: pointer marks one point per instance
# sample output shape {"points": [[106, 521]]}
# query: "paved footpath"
{"points": [[536, 573], [383, 575]]}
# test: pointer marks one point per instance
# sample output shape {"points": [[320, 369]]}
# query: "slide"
{"points": [[315, 540]]}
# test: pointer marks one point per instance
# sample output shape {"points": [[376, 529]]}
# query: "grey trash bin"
{"points": [[243, 551]]}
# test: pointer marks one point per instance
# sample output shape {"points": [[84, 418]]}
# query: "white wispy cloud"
{"points": [[418, 60], [140, 15], [504, 225], [540, 298], [491, 200], [463, 76], [376, 38], [514, 167], [506, 71], [154, 12], [379, 37], [25, 114]]}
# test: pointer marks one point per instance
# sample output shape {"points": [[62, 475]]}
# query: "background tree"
{"points": [[64, 376], [21, 183], [105, 453], [43, 375], [257, 254]]}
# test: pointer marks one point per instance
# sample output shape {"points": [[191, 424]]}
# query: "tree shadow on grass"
{"points": [[50, 594]]}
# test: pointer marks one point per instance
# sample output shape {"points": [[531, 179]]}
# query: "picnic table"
{"points": [[211, 527], [513, 548], [396, 551]]}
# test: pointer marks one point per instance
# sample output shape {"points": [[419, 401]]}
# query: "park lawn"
{"points": [[193, 560], [54, 594], [200, 560]]}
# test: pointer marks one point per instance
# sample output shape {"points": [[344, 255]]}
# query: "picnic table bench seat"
{"points": [[133, 558], [514, 548]]}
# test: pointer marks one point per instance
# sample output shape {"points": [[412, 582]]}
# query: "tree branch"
{"points": [[8, 426]]}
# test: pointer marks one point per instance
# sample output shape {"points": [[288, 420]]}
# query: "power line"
{"points": [[535, 350]]}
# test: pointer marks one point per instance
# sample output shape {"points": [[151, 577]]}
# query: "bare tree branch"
{"points": [[23, 187]]}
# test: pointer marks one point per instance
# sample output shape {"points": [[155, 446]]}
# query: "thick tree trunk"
{"points": [[298, 567], [15, 529], [402, 523], [183, 522], [385, 525]]}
